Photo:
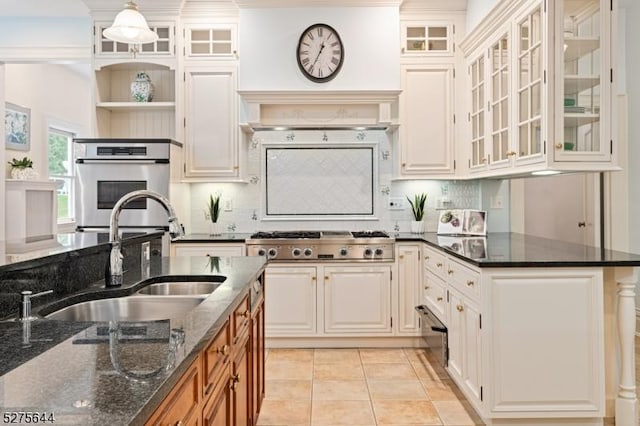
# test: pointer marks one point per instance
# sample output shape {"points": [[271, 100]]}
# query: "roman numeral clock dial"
{"points": [[320, 53]]}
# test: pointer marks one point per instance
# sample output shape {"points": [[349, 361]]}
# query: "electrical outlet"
{"points": [[396, 203], [228, 205], [497, 202]]}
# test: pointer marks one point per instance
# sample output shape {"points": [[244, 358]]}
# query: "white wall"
{"points": [[45, 31], [476, 10], [269, 37], [50, 92]]}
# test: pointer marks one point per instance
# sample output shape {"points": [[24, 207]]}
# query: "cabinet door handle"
{"points": [[439, 265], [470, 283], [244, 314], [326, 277], [460, 308], [510, 153], [179, 423], [426, 287], [559, 145], [313, 278], [426, 258], [401, 256], [224, 350], [235, 379], [450, 272], [439, 299]]}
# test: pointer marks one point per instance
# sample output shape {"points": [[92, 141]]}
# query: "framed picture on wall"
{"points": [[17, 127]]}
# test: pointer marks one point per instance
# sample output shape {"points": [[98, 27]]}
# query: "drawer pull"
{"points": [[426, 287], [224, 350], [450, 272], [460, 308], [179, 423], [426, 258], [244, 314], [235, 379], [470, 283], [439, 265], [439, 299]]}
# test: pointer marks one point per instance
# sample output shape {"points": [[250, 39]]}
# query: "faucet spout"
{"points": [[114, 273]]}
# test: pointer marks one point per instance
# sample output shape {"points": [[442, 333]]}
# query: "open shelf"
{"points": [[577, 120], [137, 106], [577, 47], [574, 84]]}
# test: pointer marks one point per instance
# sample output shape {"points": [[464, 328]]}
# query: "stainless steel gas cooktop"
{"points": [[322, 245]]}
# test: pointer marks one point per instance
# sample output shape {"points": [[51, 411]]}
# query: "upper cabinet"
{"points": [[210, 41], [427, 38], [539, 85], [164, 47]]}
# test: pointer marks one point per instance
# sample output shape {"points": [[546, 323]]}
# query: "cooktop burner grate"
{"points": [[286, 234], [370, 234]]}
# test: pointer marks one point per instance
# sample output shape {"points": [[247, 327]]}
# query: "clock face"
{"points": [[320, 53]]}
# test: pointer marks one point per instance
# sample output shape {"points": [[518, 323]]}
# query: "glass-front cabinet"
{"points": [[583, 127], [547, 92]]}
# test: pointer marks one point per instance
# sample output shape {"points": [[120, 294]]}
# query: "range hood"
{"points": [[319, 109]]}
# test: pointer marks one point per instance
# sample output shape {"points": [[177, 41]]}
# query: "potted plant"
{"points": [[213, 214], [417, 208], [22, 169]]}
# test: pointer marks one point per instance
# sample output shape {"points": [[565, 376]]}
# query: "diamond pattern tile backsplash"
{"points": [[249, 202]]}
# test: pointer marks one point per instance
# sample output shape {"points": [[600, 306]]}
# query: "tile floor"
{"points": [[360, 387]]}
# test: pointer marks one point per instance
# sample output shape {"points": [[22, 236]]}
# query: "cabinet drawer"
{"points": [[434, 295], [182, 405], [464, 279], [216, 356], [240, 320], [435, 262]]}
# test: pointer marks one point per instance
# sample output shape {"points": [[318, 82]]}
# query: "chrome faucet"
{"points": [[114, 273]]}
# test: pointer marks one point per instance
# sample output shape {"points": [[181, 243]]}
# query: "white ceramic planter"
{"points": [[417, 227], [23, 174], [215, 228]]}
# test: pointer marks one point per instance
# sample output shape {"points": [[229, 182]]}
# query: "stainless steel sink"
{"points": [[139, 308], [180, 288]]}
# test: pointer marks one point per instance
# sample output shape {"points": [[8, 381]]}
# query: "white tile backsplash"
{"points": [[248, 198]]}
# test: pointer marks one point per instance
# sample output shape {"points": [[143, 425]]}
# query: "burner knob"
{"points": [[308, 252], [378, 252], [262, 252], [296, 252], [368, 252], [272, 253], [343, 251]]}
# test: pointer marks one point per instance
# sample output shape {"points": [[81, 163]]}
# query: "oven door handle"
{"points": [[123, 161]]}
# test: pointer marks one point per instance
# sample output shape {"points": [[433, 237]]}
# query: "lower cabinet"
{"points": [[357, 300], [409, 279], [224, 386], [202, 249], [290, 300]]}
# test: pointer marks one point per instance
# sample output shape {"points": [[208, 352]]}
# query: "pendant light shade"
{"points": [[130, 27]]}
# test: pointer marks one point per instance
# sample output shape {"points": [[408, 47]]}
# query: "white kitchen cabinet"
{"points": [[210, 41], [290, 301], [426, 134], [553, 319], [427, 38], [207, 249], [434, 295], [117, 115], [357, 299], [211, 123], [164, 47], [409, 282], [540, 85]]}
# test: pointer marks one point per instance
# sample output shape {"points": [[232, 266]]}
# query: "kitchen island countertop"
{"points": [[65, 368]]}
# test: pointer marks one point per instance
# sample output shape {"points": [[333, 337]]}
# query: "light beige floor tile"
{"points": [[288, 389], [443, 390], [295, 355], [285, 413], [429, 370], [336, 356], [455, 413], [405, 412], [415, 354], [397, 389], [340, 390], [337, 372], [376, 356], [389, 371], [288, 370], [342, 413]]}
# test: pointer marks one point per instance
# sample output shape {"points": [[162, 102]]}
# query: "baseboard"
{"points": [[345, 342]]}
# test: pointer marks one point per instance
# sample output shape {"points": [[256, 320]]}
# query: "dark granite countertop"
{"points": [[508, 249], [65, 368]]}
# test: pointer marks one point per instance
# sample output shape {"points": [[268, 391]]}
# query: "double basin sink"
{"points": [[157, 301]]}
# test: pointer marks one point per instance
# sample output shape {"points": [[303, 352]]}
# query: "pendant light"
{"points": [[129, 26]]}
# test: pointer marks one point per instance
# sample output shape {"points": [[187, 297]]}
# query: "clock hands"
{"points": [[318, 55]]}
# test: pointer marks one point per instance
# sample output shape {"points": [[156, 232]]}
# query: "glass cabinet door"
{"points": [[477, 113], [580, 88], [499, 102], [529, 63]]}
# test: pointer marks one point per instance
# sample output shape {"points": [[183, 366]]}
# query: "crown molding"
{"points": [[417, 6], [168, 7], [259, 4], [50, 54]]}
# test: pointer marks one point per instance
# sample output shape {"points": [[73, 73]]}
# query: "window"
{"points": [[61, 168]]}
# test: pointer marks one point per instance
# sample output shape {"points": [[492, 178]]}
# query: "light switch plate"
{"points": [[228, 205], [396, 203]]}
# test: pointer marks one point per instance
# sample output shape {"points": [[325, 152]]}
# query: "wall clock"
{"points": [[320, 53]]}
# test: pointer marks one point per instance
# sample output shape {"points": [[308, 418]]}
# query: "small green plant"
{"points": [[214, 207], [417, 205], [25, 163]]}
